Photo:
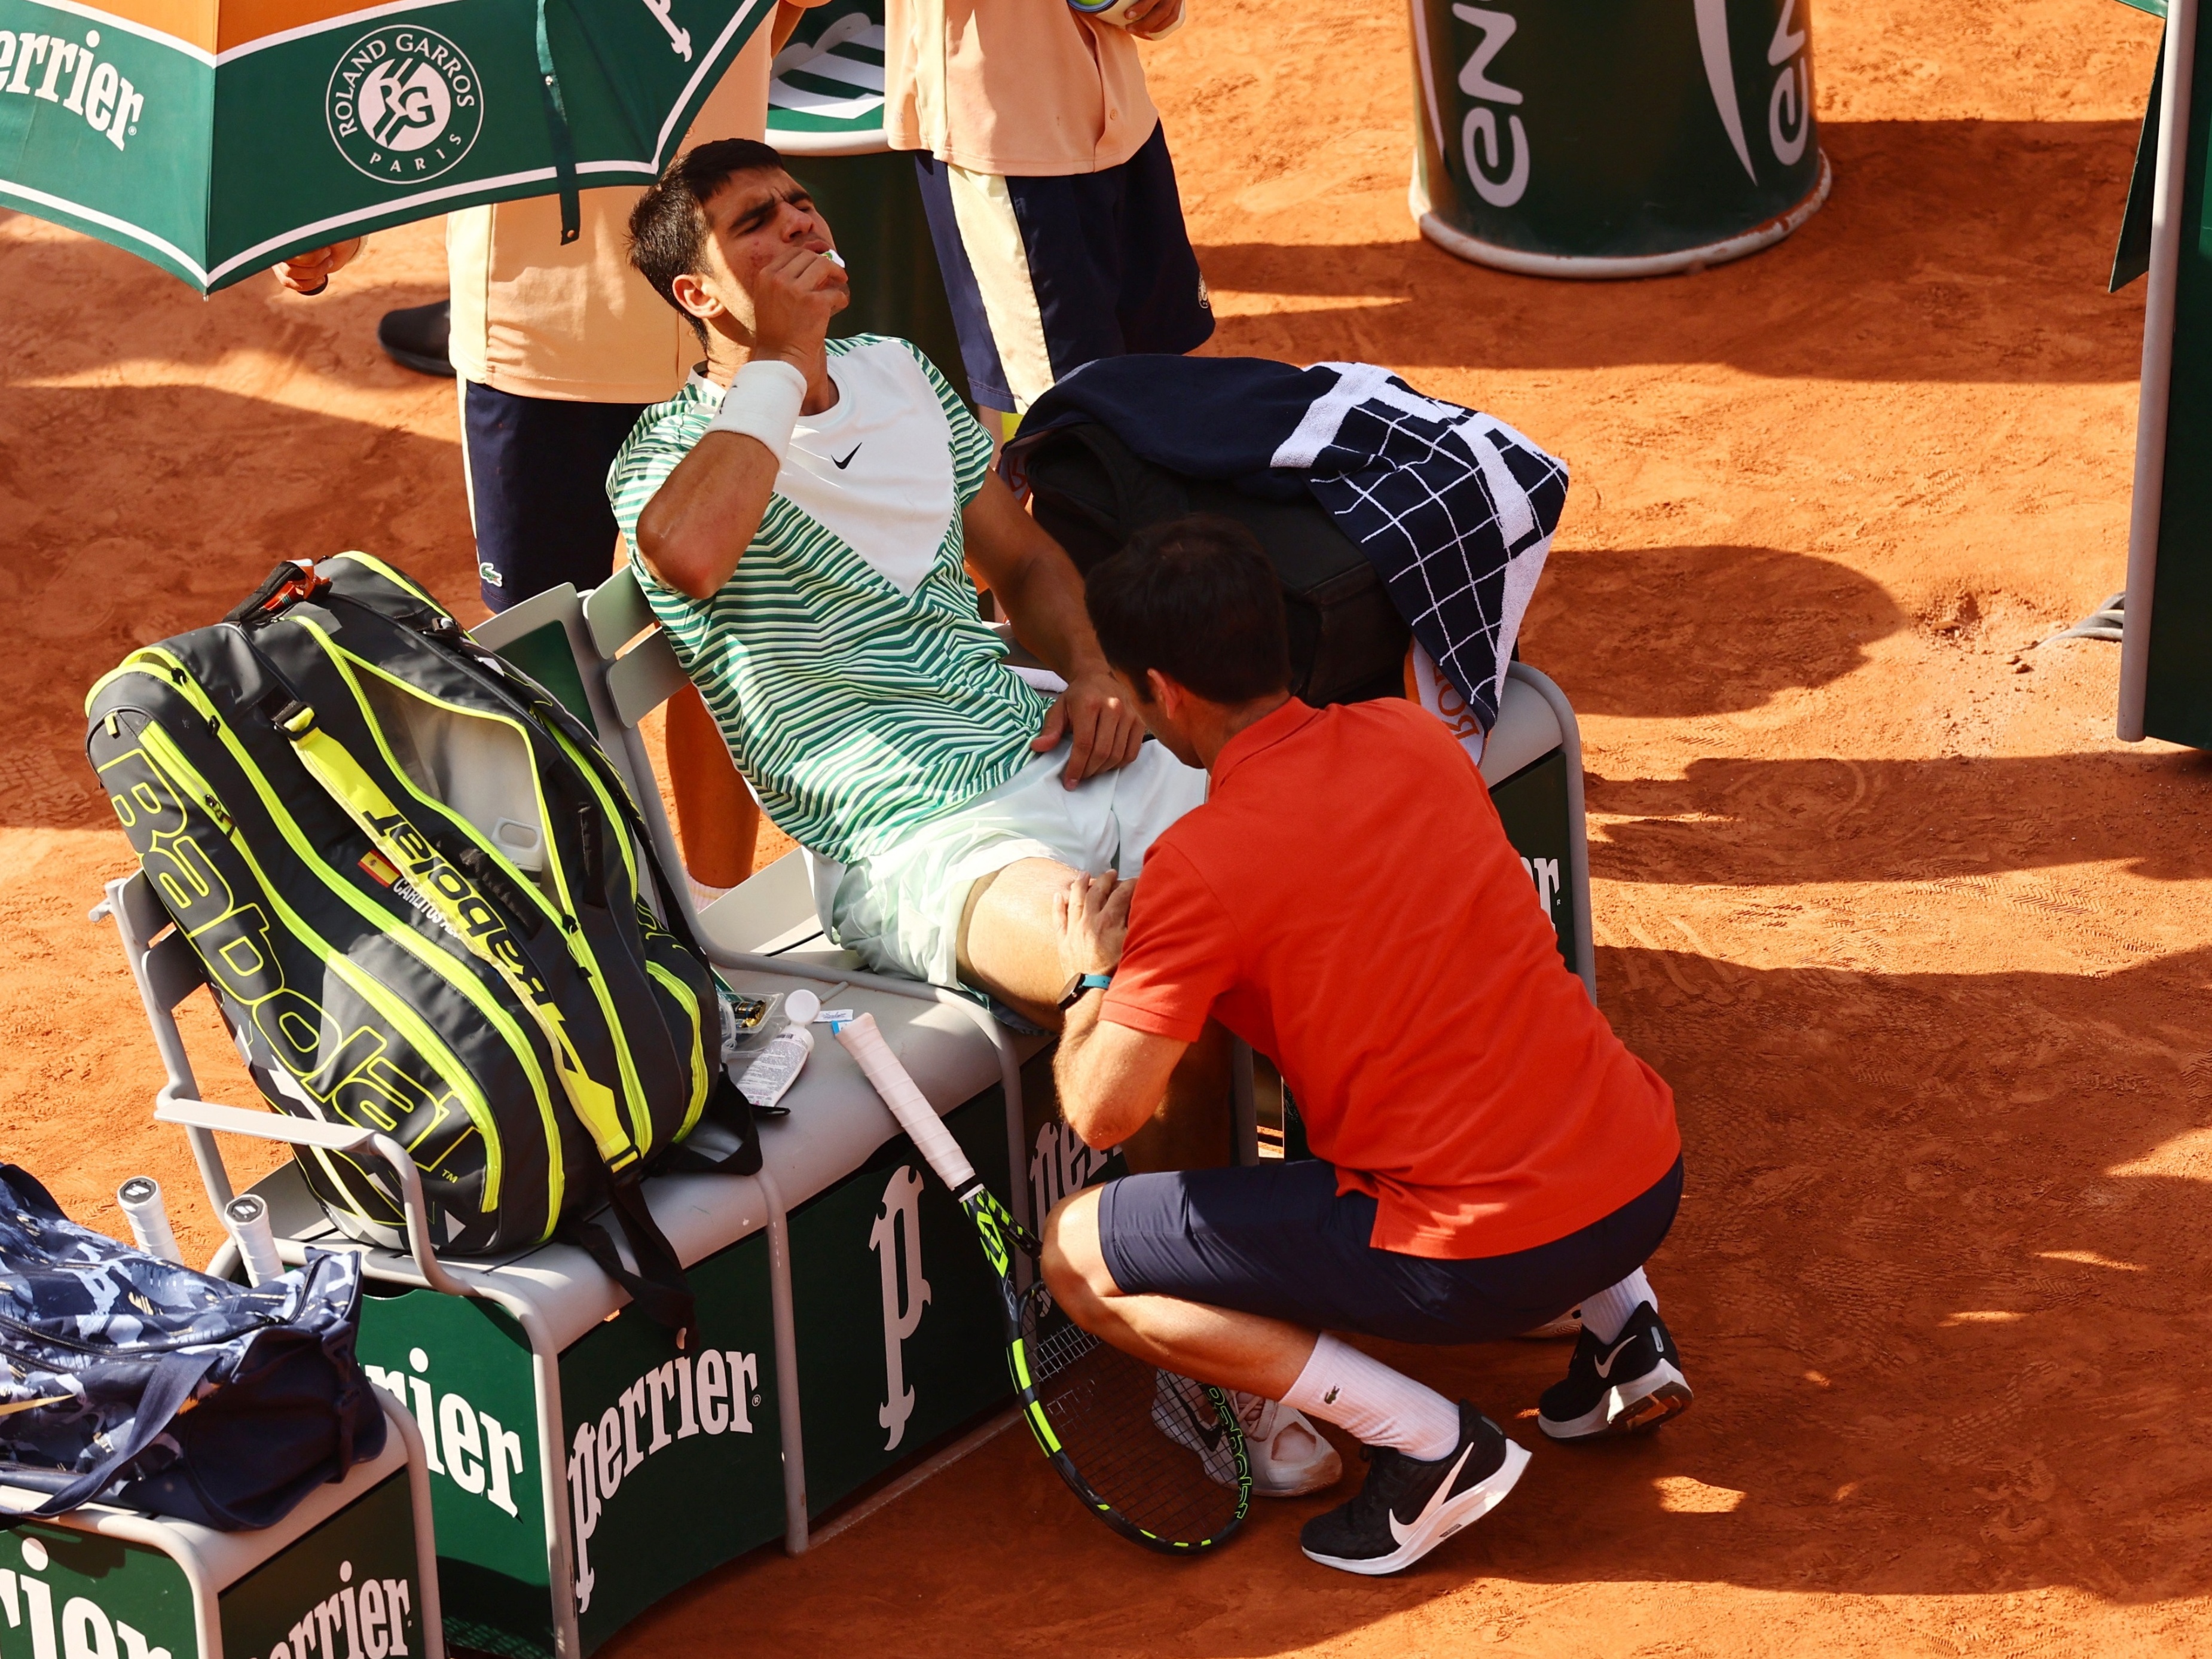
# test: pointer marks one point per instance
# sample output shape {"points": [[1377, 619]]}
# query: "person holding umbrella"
{"points": [[558, 349]]}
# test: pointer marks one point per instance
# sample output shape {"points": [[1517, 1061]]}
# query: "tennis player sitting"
{"points": [[1488, 1155], [804, 515]]}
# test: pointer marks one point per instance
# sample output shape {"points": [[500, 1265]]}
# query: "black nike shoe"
{"points": [[1631, 1383], [416, 336], [1406, 1508]]}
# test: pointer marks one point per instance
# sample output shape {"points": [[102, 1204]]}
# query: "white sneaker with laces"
{"points": [[1287, 1455]]}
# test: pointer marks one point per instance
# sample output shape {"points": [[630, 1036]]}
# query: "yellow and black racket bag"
{"points": [[428, 907]]}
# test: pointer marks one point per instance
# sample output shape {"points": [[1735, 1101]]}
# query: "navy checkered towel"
{"points": [[1455, 508]]}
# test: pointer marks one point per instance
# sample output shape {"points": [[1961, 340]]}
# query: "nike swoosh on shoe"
{"points": [[1605, 1365], [1404, 1533]]}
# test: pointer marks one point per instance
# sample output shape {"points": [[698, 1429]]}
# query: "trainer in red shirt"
{"points": [[1488, 1155]]}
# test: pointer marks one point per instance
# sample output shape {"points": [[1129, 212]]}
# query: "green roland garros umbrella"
{"points": [[215, 137]]}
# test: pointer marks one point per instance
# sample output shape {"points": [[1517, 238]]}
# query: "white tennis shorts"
{"points": [[900, 911]]}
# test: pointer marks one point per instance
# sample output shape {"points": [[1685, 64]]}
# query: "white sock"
{"points": [[1606, 1313], [1376, 1405], [702, 893]]}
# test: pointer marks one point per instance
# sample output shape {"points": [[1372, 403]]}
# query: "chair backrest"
{"points": [[603, 656]]}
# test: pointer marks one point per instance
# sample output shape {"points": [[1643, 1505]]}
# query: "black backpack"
{"points": [[427, 906], [1091, 493]]}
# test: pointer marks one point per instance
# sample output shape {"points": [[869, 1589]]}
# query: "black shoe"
{"points": [[1406, 1508], [416, 338], [1633, 1382]]}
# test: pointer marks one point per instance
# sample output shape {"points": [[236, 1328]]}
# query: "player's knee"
{"points": [[1073, 1265]]}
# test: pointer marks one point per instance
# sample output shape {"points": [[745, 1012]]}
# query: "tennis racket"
{"points": [[1157, 1457]]}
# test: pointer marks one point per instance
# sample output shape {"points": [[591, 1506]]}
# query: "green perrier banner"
{"points": [[216, 145]]}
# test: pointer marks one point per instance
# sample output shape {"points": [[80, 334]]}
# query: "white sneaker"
{"points": [[1287, 1455]]}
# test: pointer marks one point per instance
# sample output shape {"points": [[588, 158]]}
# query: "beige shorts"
{"points": [[900, 911]]}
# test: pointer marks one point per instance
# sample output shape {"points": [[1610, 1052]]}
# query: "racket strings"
{"points": [[1153, 1446]]}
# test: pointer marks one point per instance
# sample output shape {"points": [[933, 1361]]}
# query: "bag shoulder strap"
{"points": [[175, 1376]]}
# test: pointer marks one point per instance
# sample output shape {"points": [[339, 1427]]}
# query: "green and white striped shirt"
{"points": [[856, 710]]}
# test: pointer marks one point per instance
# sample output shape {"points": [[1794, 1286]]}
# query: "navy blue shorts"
{"points": [[1276, 1240], [537, 490], [1106, 269]]}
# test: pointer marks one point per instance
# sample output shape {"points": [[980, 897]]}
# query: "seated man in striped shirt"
{"points": [[806, 515]]}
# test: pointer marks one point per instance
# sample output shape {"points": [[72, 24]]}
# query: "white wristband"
{"points": [[763, 403]]}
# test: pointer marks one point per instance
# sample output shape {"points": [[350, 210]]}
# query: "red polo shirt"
{"points": [[1347, 901]]}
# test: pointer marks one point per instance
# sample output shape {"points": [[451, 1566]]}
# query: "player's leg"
{"points": [[715, 813], [1009, 946]]}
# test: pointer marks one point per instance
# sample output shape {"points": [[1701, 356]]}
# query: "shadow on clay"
{"points": [[1752, 823], [1924, 1279], [1716, 629], [1902, 275]]}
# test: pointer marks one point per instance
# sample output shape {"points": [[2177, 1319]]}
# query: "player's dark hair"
{"points": [[668, 225], [1196, 598]]}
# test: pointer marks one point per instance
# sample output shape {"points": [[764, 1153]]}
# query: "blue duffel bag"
{"points": [[133, 1381]]}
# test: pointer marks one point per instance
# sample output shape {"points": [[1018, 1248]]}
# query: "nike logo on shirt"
{"points": [[847, 461]]}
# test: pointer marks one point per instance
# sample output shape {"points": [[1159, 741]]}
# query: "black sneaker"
{"points": [[416, 338], [1631, 1383], [1406, 1508]]}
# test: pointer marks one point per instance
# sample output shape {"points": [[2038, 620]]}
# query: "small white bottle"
{"points": [[772, 1072]]}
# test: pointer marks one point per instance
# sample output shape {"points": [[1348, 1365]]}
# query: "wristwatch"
{"points": [[1080, 986]]}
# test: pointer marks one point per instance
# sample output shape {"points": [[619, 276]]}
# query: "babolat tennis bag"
{"points": [[131, 1380], [1091, 492], [428, 907]]}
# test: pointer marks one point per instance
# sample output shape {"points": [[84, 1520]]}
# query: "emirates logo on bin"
{"points": [[405, 104]]}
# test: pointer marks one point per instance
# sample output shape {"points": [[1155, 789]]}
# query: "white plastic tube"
{"points": [[141, 1200], [908, 1105], [247, 1219]]}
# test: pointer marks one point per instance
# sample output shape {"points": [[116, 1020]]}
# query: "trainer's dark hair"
{"points": [[668, 225], [1196, 598]]}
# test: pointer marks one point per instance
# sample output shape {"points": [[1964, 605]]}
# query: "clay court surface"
{"points": [[1921, 947]]}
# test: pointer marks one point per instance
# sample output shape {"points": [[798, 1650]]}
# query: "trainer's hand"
{"points": [[1149, 19], [793, 299], [1094, 712], [1093, 914], [310, 272]]}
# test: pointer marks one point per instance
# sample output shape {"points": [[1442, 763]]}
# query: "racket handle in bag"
{"points": [[140, 1198], [247, 1219], [913, 1110]]}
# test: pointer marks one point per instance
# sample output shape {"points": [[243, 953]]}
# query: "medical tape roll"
{"points": [[140, 1198], [908, 1105], [247, 1219]]}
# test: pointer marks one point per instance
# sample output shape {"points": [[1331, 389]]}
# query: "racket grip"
{"points": [[246, 1219], [140, 1200], [914, 1112]]}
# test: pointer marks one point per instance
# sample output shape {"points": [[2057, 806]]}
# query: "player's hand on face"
{"points": [[1096, 713], [1093, 914], [308, 272], [795, 296]]}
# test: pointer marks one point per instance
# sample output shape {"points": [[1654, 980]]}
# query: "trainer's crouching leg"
{"points": [[1073, 1262]]}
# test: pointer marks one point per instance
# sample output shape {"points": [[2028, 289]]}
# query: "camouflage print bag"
{"points": [[131, 1380]]}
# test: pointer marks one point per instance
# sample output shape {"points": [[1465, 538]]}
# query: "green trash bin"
{"points": [[1614, 137], [825, 114]]}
